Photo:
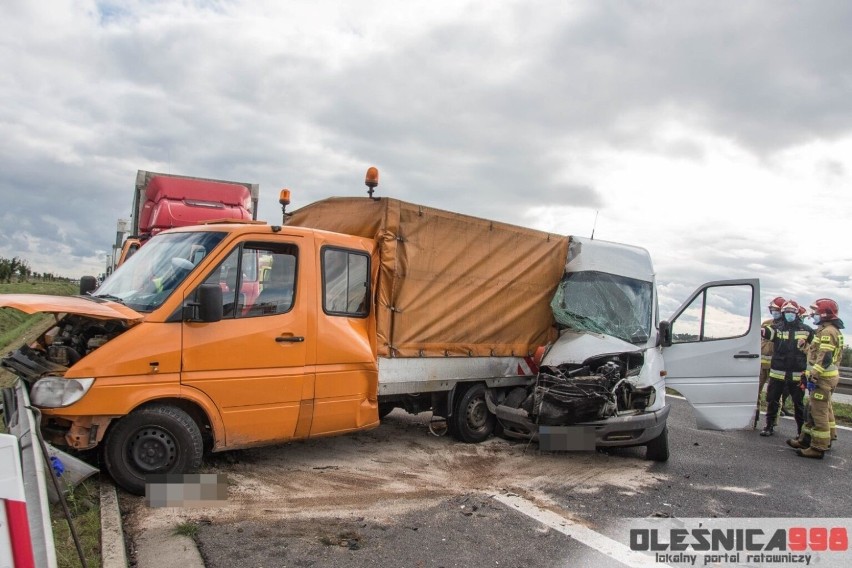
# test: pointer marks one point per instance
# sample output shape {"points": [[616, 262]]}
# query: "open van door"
{"points": [[711, 348]]}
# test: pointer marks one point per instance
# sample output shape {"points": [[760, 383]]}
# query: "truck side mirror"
{"points": [[87, 284], [665, 337], [209, 303]]}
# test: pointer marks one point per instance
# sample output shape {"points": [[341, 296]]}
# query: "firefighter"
{"points": [[766, 349], [789, 361], [824, 355]]}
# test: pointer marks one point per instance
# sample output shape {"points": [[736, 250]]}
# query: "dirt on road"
{"points": [[325, 489]]}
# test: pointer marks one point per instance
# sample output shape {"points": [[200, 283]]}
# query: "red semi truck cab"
{"points": [[166, 201]]}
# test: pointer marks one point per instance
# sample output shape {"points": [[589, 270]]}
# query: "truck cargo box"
{"points": [[451, 284]]}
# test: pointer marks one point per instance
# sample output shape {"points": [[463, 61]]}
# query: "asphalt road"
{"points": [[396, 496]]}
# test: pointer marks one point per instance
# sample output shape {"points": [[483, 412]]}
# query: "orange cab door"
{"points": [[252, 363], [346, 380]]}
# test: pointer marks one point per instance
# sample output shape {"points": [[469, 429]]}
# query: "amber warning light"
{"points": [[284, 200], [372, 180]]}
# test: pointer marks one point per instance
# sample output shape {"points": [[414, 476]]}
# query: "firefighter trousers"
{"points": [[821, 426], [776, 389]]}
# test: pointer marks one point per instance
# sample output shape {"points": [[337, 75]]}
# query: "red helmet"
{"points": [[777, 303], [790, 306], [825, 308]]}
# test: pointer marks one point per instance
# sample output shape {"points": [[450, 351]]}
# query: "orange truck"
{"points": [[230, 335]]}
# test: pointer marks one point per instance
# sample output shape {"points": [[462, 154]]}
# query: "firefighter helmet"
{"points": [[777, 303], [825, 308], [790, 306]]}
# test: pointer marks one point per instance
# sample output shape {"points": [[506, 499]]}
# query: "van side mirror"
{"points": [[665, 337], [209, 303], [87, 284]]}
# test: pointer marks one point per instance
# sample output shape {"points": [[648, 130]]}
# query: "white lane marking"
{"points": [[763, 413], [603, 544]]}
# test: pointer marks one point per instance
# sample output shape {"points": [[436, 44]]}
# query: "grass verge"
{"points": [[84, 507]]}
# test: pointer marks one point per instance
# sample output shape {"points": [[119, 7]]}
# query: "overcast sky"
{"points": [[718, 135]]}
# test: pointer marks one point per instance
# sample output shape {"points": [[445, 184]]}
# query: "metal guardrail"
{"points": [[846, 376], [22, 424]]}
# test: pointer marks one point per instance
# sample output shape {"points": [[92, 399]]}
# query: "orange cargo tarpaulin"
{"points": [[451, 284]]}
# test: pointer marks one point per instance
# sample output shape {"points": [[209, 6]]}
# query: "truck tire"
{"points": [[658, 449], [152, 440], [472, 422]]}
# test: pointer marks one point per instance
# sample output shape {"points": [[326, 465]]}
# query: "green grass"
{"points": [[15, 325], [187, 528], [84, 506]]}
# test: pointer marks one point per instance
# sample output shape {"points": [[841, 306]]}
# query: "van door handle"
{"points": [[290, 339], [746, 356]]}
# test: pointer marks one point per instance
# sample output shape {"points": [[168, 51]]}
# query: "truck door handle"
{"points": [[746, 356], [290, 339]]}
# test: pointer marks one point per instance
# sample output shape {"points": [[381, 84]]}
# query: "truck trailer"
{"points": [[230, 335]]}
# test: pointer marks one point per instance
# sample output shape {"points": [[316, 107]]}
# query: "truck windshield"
{"points": [[152, 274], [605, 303]]}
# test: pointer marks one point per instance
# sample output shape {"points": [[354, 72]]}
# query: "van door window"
{"points": [[257, 279], [718, 312], [345, 280]]}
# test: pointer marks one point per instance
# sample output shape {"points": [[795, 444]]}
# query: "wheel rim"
{"points": [[152, 449], [477, 414]]}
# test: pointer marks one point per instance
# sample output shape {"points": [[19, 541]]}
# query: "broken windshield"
{"points": [[605, 303], [152, 274]]}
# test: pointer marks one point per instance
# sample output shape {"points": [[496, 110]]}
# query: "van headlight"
{"points": [[56, 392]]}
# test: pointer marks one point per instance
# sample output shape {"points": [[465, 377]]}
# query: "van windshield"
{"points": [[152, 274], [605, 303]]}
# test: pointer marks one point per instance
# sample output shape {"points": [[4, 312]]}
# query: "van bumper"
{"points": [[633, 430]]}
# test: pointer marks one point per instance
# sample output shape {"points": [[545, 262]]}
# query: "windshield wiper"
{"points": [[109, 297]]}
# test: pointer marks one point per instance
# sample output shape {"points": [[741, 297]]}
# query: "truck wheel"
{"points": [[658, 448], [153, 440], [472, 422]]}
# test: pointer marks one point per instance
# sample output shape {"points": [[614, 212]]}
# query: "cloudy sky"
{"points": [[718, 135]]}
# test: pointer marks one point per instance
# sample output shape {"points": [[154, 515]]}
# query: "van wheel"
{"points": [[658, 449], [152, 440], [472, 421]]}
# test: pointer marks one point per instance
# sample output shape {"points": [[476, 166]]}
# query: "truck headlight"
{"points": [[56, 392]]}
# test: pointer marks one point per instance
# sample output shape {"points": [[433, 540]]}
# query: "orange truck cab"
{"points": [[183, 348]]}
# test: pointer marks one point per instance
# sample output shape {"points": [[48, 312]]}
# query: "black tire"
{"points": [[385, 408], [472, 422], [658, 449], [152, 440]]}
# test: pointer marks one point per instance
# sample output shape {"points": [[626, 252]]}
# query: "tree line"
{"points": [[17, 269]]}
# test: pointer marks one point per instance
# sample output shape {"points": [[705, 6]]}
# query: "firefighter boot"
{"points": [[810, 453], [795, 443], [768, 431]]}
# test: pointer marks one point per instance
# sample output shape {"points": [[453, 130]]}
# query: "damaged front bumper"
{"points": [[617, 431], [630, 430]]}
